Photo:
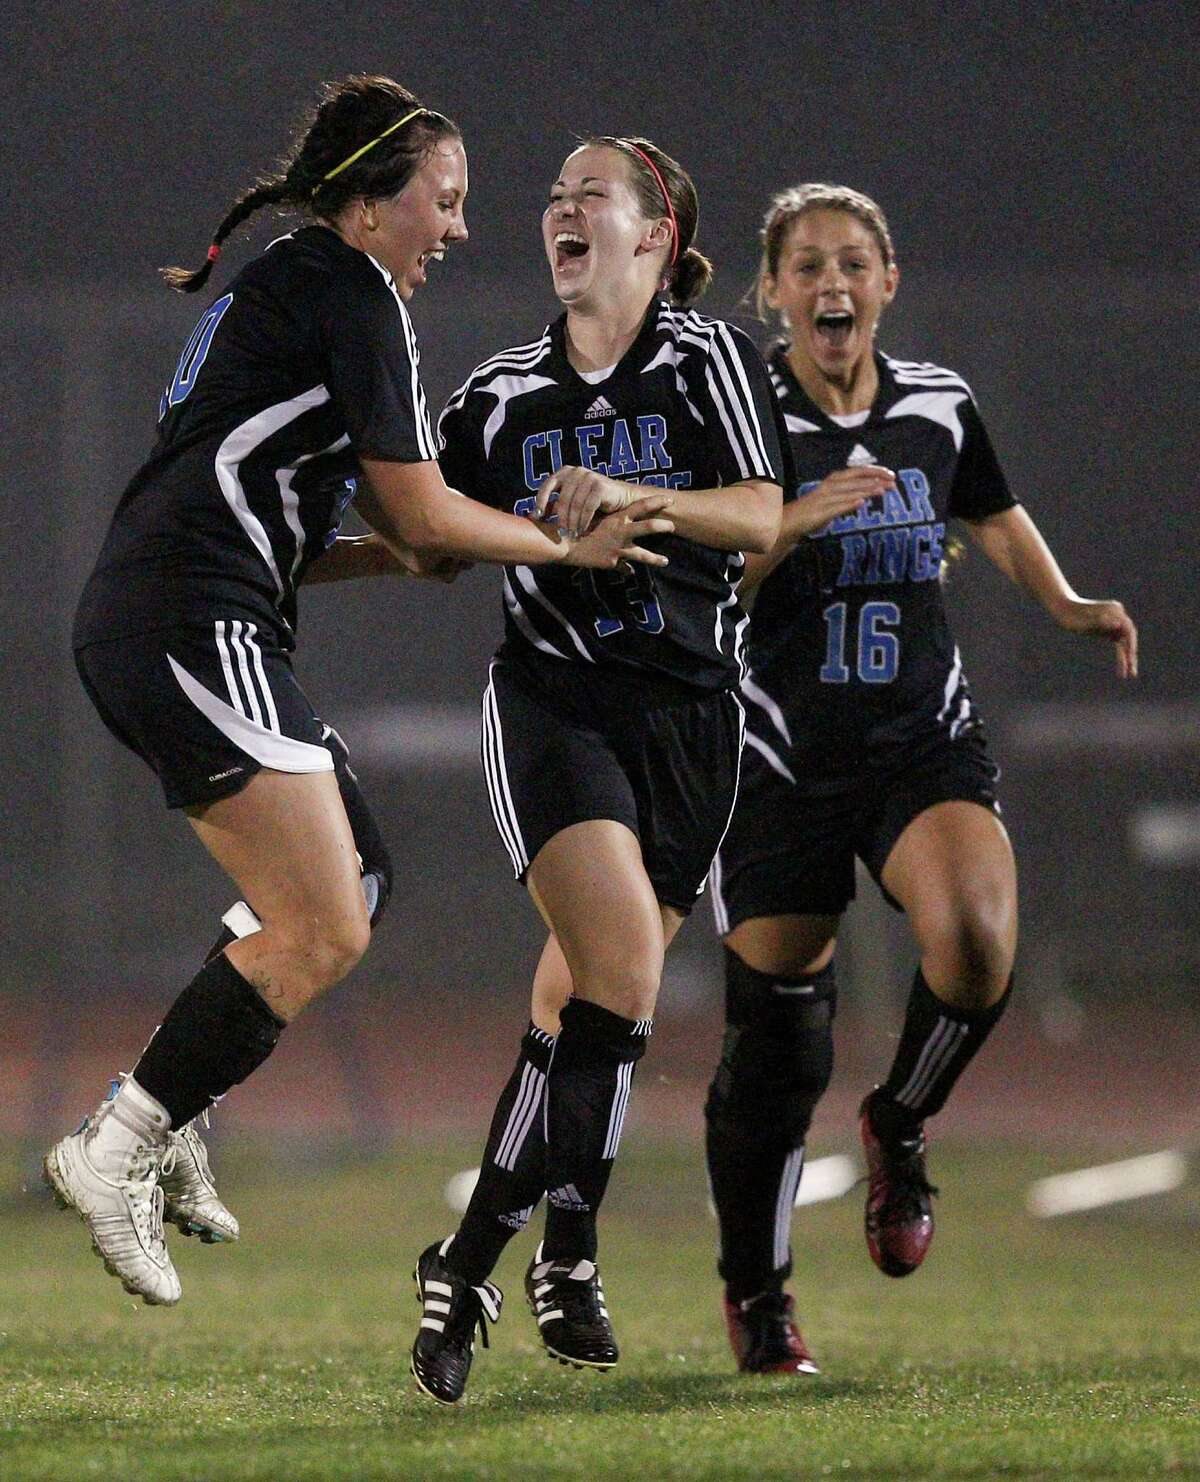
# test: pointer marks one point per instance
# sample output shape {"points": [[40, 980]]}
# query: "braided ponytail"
{"points": [[356, 144], [190, 280]]}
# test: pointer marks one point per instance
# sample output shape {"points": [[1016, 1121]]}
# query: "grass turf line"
{"points": [[1065, 1349]]}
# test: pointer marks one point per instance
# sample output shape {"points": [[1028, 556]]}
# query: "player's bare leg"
{"points": [[952, 870], [286, 842]]}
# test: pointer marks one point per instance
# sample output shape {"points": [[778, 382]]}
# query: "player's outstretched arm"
{"points": [[1013, 542], [839, 493], [412, 509]]}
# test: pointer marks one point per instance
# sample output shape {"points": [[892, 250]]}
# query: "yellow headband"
{"points": [[358, 153]]}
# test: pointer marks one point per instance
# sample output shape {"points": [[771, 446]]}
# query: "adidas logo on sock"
{"points": [[568, 1197], [601, 408], [859, 456], [516, 1219]]}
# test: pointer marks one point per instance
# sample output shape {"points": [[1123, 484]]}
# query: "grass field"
{"points": [[1068, 1349]]}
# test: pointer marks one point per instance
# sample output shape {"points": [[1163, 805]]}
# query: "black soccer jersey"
{"points": [[690, 405], [850, 646], [307, 362]]}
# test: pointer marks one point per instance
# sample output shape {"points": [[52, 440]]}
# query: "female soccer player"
{"points": [[863, 739], [297, 391], [611, 734]]}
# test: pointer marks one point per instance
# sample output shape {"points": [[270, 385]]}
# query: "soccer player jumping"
{"points": [[863, 740], [297, 393]]}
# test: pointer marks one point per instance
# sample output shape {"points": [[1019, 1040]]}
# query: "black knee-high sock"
{"points": [[776, 1063], [587, 1093], [216, 1032], [937, 1044], [513, 1176]]}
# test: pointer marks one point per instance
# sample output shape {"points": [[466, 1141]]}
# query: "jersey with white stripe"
{"points": [[307, 363], [690, 405], [850, 643]]}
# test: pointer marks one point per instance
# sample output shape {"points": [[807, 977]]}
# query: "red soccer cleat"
{"points": [[899, 1212], [765, 1338]]}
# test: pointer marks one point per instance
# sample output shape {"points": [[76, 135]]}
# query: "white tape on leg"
{"points": [[241, 920]]}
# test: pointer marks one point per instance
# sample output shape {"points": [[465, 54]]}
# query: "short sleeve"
{"points": [[464, 464], [980, 488], [373, 368], [742, 411]]}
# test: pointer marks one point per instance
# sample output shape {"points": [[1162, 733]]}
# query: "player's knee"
{"points": [[344, 944], [777, 1057], [972, 956], [625, 985], [320, 951]]}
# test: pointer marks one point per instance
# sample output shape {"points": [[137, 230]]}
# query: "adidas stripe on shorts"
{"points": [[564, 743], [206, 706]]}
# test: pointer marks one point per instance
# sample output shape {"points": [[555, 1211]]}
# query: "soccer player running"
{"points": [[863, 740], [297, 393], [611, 730]]}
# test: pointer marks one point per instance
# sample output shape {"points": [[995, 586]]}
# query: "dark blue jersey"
{"points": [[850, 646], [690, 405], [306, 363]]}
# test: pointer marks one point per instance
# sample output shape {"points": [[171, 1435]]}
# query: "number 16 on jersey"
{"points": [[878, 655]]}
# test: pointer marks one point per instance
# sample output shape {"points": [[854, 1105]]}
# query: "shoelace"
{"points": [[146, 1197], [459, 1329], [912, 1188], [770, 1320], [191, 1141]]}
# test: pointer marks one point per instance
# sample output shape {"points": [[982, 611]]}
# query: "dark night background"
{"points": [[1037, 165]]}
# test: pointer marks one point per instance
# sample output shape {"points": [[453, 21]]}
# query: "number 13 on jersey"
{"points": [[878, 657]]}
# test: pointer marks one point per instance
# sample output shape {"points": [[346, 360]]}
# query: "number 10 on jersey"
{"points": [[878, 648]]}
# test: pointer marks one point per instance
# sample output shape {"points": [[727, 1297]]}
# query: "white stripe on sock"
{"points": [[616, 1116], [784, 1204], [521, 1118], [934, 1057]]}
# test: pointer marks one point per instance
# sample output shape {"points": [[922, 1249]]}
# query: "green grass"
{"points": [[1021, 1350]]}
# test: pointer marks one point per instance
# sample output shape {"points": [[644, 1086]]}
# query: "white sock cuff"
{"points": [[138, 1110]]}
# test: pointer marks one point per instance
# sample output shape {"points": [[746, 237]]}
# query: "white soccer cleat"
{"points": [[115, 1191], [191, 1198]]}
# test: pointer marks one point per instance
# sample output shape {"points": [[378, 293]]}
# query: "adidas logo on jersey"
{"points": [[601, 408], [859, 456], [568, 1197]]}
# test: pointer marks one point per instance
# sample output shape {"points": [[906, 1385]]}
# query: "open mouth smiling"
{"points": [[569, 246], [834, 328]]}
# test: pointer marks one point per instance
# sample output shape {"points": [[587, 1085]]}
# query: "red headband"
{"points": [[662, 185]]}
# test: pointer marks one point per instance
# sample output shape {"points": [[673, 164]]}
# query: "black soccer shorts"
{"points": [[206, 707], [565, 742], [791, 846]]}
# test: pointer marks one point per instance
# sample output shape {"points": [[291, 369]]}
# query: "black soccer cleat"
{"points": [[764, 1336], [453, 1309], [898, 1219], [567, 1299]]}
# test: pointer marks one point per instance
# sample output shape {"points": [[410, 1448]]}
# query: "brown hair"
{"points": [[815, 195], [349, 114], [691, 272]]}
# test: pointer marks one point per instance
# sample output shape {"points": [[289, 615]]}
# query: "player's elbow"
{"points": [[425, 526], [763, 524]]}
